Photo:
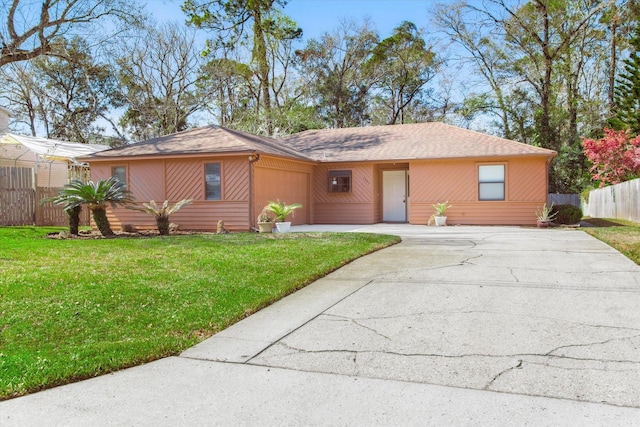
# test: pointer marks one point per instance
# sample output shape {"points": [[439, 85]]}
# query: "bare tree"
{"points": [[31, 28], [159, 74]]}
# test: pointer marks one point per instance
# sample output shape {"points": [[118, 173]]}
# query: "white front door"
{"points": [[394, 196]]}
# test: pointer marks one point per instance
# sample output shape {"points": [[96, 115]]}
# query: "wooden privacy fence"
{"points": [[20, 201], [620, 201], [17, 196], [564, 199]]}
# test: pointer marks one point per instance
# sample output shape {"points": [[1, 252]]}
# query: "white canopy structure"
{"points": [[52, 149]]}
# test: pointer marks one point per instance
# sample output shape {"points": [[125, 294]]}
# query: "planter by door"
{"points": [[440, 220], [283, 227], [265, 227]]}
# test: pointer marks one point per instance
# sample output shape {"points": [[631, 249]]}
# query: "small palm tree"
{"points": [[97, 196], [72, 212], [281, 210], [161, 213]]}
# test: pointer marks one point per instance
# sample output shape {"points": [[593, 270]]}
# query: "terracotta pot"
{"points": [[542, 224]]}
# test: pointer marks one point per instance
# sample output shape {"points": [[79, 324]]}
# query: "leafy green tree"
{"points": [[626, 107], [78, 91], [97, 196], [230, 20], [402, 64], [338, 83]]}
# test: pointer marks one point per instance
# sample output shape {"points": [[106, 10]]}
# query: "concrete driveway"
{"points": [[454, 326]]}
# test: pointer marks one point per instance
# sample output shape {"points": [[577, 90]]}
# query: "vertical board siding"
{"points": [[356, 207], [278, 179]]}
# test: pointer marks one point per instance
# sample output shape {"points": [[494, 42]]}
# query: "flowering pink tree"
{"points": [[615, 158]]}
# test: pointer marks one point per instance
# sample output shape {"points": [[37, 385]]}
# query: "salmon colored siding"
{"points": [[177, 179], [457, 182], [293, 181], [355, 207], [288, 181]]}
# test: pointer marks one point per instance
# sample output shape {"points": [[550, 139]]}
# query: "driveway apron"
{"points": [[547, 313], [453, 326]]}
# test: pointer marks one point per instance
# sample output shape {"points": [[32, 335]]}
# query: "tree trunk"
{"points": [[260, 55], [74, 220], [163, 225], [102, 222], [613, 57]]}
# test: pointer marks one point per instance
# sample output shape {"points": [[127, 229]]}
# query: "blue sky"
{"points": [[316, 17]]}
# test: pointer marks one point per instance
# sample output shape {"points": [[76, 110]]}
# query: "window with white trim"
{"points": [[491, 182]]}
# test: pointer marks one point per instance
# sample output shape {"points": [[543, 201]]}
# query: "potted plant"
{"points": [[265, 222], [282, 210], [545, 215], [440, 216]]}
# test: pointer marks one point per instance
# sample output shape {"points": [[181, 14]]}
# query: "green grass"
{"points": [[620, 234], [74, 309]]}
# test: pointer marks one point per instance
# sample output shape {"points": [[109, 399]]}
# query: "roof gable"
{"points": [[204, 140]]}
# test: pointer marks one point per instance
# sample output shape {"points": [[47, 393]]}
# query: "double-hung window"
{"points": [[491, 179]]}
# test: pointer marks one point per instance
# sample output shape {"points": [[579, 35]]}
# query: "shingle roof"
{"points": [[409, 141], [374, 143], [204, 140]]}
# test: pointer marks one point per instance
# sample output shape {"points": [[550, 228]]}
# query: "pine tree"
{"points": [[626, 112]]}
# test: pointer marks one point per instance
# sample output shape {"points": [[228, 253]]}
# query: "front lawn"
{"points": [[620, 234], [74, 309]]}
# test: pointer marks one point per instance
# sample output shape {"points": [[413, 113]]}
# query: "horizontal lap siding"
{"points": [[457, 183], [480, 213], [356, 207], [198, 216]]}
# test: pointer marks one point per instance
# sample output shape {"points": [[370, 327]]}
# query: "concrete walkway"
{"points": [[454, 326]]}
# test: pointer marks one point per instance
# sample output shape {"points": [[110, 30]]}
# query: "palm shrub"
{"points": [[282, 210], [161, 213], [73, 212], [97, 196]]}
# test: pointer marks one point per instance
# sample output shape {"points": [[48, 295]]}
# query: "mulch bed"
{"points": [[95, 234]]}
